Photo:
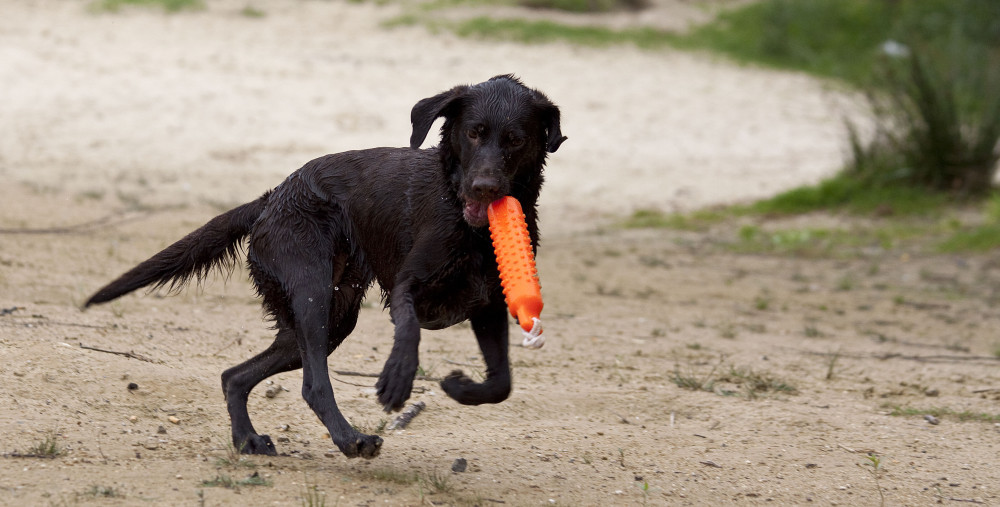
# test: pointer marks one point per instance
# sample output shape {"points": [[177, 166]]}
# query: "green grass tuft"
{"points": [[167, 5], [940, 412], [538, 32]]}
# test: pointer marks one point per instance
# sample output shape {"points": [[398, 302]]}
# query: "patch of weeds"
{"points": [[439, 482], [811, 331], [728, 331], [389, 475], [225, 481], [831, 365], [312, 496], [982, 238], [691, 382], [854, 195], [377, 429], [845, 284], [941, 412], [876, 471], [762, 302], [234, 458], [167, 5], [544, 31], [756, 383], [47, 448], [103, 492], [586, 5], [250, 11], [699, 220]]}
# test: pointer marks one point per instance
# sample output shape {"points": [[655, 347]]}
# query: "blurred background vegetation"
{"points": [[929, 70]]}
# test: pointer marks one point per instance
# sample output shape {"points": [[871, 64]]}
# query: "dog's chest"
{"points": [[456, 292]]}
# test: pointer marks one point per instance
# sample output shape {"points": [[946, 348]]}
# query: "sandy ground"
{"points": [[121, 132]]}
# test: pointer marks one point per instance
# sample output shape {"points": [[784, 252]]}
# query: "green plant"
{"points": [[938, 123], [832, 364], [585, 5], [755, 383], [312, 496], [225, 481], [876, 471], [438, 481], [234, 458], [103, 492], [48, 447], [941, 412], [167, 5], [252, 12]]}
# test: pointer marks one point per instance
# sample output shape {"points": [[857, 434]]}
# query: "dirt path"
{"points": [[150, 124]]}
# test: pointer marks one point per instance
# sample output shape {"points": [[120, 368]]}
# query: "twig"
{"points": [[711, 464], [350, 383], [856, 451], [967, 500], [130, 355], [986, 390], [923, 359], [119, 217], [456, 363], [8, 311], [376, 375], [403, 419]]}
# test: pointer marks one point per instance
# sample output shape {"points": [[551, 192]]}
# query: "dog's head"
{"points": [[494, 140]]}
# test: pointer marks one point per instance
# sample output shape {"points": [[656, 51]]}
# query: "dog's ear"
{"points": [[550, 118], [555, 137], [427, 110]]}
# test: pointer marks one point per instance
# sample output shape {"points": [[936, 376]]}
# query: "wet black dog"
{"points": [[414, 220]]}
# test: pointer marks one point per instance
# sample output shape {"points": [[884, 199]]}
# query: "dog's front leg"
{"points": [[490, 326], [396, 381]]}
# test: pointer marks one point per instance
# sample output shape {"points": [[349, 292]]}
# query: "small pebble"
{"points": [[132, 386], [161, 430], [931, 419], [459, 465], [174, 419], [132, 418]]}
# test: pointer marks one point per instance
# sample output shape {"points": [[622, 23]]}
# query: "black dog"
{"points": [[414, 220]]}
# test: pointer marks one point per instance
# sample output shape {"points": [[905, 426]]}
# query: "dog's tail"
{"points": [[213, 245]]}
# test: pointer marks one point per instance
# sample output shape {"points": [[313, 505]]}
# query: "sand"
{"points": [[120, 132]]}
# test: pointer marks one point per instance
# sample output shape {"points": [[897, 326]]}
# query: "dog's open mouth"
{"points": [[475, 213]]}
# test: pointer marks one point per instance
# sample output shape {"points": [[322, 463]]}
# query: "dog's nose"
{"points": [[485, 188]]}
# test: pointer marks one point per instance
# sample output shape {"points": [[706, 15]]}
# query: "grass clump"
{"points": [[752, 384], [166, 5], [225, 481], [544, 31], [103, 492], [47, 448], [942, 412], [586, 5]]}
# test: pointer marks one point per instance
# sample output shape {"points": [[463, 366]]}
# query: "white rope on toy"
{"points": [[533, 339]]}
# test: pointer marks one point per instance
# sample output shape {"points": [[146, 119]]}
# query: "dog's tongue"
{"points": [[475, 213]]}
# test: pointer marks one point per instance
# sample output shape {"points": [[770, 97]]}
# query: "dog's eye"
{"points": [[475, 131], [516, 142]]}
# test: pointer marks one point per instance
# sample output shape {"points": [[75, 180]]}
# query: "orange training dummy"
{"points": [[516, 262]]}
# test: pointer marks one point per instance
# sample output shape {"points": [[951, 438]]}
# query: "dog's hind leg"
{"points": [[237, 382], [315, 308], [490, 326]]}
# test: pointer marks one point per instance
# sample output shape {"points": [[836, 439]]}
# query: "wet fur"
{"points": [[409, 219]]}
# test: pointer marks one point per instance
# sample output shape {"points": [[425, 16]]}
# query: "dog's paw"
{"points": [[456, 384], [464, 390], [361, 445], [257, 444], [394, 385]]}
